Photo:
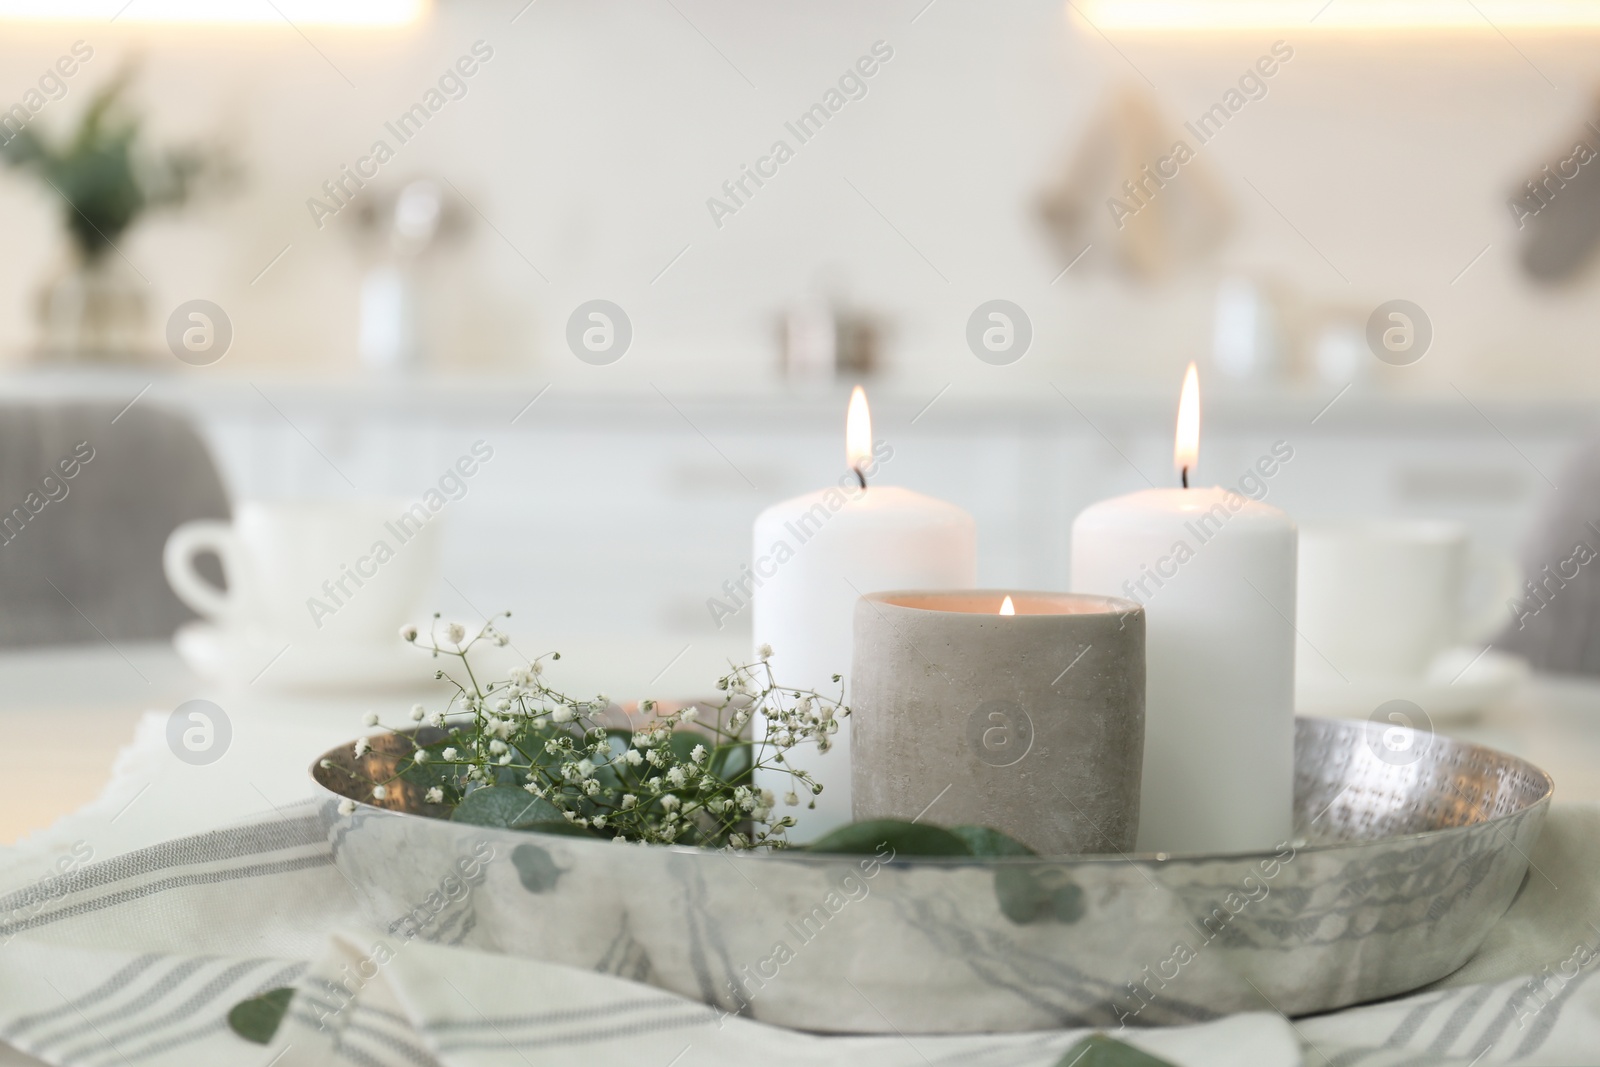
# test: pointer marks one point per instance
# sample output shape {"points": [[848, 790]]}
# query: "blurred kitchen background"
{"points": [[372, 339]]}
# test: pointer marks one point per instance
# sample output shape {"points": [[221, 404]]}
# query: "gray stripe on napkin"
{"points": [[568, 1015], [1545, 1021], [180, 1012], [410, 1052], [153, 995], [274, 981], [208, 848], [684, 1018], [1459, 1019], [109, 988], [176, 882]]}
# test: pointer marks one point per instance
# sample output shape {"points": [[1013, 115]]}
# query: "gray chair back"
{"points": [[1555, 619], [87, 499]]}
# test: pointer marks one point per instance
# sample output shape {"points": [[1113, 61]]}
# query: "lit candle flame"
{"points": [[1186, 446], [858, 435], [1008, 608]]}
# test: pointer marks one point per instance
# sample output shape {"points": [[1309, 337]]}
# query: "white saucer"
{"points": [[1460, 683], [258, 661]]}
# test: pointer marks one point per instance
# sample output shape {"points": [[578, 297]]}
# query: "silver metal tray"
{"points": [[1399, 871]]}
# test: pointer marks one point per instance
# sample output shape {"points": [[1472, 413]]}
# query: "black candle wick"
{"points": [[1184, 473], [862, 478]]}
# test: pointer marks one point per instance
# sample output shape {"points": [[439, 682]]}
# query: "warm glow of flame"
{"points": [[858, 432], [1186, 446], [1008, 608]]}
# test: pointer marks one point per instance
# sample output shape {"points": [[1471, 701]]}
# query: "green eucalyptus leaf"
{"points": [[732, 763], [1028, 895], [504, 806], [983, 841], [904, 838], [258, 1018], [1098, 1050]]}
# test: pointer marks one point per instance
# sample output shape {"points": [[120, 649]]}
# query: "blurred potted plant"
{"points": [[94, 307]]}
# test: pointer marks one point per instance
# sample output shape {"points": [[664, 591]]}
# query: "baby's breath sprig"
{"points": [[683, 775]]}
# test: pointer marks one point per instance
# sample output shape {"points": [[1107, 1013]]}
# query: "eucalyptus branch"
{"points": [[683, 776]]}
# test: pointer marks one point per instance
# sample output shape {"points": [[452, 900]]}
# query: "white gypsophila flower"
{"points": [[421, 756], [738, 841], [602, 700], [688, 714], [628, 801], [501, 640], [633, 757], [585, 768], [434, 795], [698, 754], [791, 799], [619, 839], [497, 747], [647, 704], [363, 746], [675, 776], [760, 814], [408, 632], [418, 712], [455, 633], [520, 676], [369, 719], [379, 791], [599, 822], [436, 719], [766, 797], [765, 652], [503, 706], [326, 764], [670, 802], [561, 714], [450, 754], [505, 761], [347, 807], [536, 668], [591, 787], [657, 757]]}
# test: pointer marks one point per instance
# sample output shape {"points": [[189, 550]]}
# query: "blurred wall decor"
{"points": [[1557, 208], [93, 306], [1135, 189]]}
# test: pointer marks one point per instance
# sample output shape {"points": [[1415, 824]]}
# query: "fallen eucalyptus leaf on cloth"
{"points": [[258, 1018], [1098, 1050]]}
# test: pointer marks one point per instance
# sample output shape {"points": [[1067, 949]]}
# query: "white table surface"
{"points": [[68, 712]]}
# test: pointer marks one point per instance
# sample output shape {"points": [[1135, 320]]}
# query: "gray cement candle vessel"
{"points": [[1031, 724]]}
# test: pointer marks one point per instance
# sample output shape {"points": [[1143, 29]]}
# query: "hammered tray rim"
{"points": [[1543, 799]]}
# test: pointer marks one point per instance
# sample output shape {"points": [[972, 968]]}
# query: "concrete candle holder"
{"points": [[1029, 723]]}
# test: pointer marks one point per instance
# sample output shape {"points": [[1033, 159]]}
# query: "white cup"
{"points": [[1382, 598], [348, 572]]}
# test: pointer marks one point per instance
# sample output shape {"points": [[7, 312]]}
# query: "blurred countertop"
{"points": [[957, 406]]}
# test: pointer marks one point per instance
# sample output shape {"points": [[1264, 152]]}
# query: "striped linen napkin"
{"points": [[139, 960]]}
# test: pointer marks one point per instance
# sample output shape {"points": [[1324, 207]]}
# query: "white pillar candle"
{"points": [[1215, 572], [815, 555]]}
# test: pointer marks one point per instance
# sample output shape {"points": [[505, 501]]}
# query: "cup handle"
{"points": [[187, 542], [1494, 578]]}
